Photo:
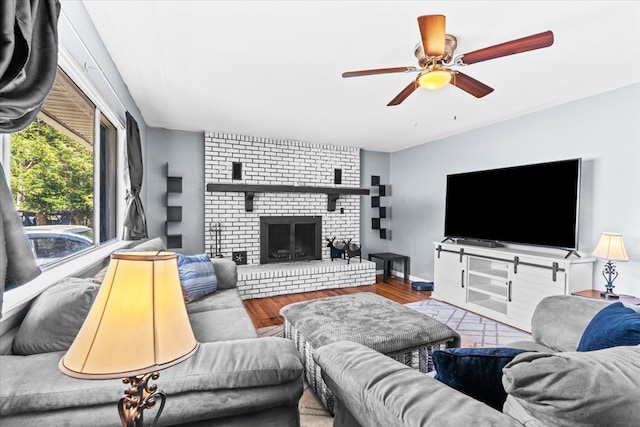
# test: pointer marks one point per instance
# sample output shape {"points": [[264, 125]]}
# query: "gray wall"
{"points": [[184, 151], [374, 163], [603, 130]]}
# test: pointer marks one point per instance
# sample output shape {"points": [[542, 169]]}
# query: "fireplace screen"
{"points": [[290, 238]]}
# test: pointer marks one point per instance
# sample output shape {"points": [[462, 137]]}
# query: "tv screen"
{"points": [[534, 204]]}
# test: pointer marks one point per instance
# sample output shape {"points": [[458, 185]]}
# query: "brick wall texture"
{"points": [[277, 162]]}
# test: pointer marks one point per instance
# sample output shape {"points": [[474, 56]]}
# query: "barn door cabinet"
{"points": [[505, 284]]}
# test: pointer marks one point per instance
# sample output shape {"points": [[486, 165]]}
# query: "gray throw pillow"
{"points": [[55, 317], [596, 388]]}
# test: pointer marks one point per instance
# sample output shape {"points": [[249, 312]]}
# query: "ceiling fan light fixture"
{"points": [[434, 79]]}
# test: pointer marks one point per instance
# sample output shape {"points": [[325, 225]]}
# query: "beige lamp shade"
{"points": [[611, 247], [138, 322]]}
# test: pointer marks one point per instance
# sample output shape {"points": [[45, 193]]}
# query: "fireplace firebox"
{"points": [[290, 238]]}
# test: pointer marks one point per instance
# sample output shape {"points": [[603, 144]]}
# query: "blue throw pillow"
{"points": [[612, 326], [197, 276], [476, 372]]}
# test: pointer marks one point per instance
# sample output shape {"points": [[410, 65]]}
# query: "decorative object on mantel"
{"points": [[239, 257], [352, 250], [611, 248], [144, 289], [337, 249], [376, 223], [249, 190]]}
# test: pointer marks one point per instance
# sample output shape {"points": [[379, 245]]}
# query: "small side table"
{"points": [[388, 258], [592, 293]]}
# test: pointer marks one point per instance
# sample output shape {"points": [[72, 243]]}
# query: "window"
{"points": [[63, 174]]}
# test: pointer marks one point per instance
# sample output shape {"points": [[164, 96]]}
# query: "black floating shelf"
{"points": [[174, 184], [383, 212], [174, 213], [375, 180], [375, 201], [383, 233], [375, 223], [382, 190]]}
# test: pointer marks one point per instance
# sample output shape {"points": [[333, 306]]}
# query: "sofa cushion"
{"points": [[222, 325], [219, 300], [595, 388], [246, 375], [197, 276], [55, 317], [476, 372], [614, 325]]}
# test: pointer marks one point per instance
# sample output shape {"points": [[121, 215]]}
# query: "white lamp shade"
{"points": [[611, 247], [138, 322]]}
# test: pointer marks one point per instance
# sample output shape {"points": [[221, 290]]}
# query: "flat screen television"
{"points": [[535, 204]]}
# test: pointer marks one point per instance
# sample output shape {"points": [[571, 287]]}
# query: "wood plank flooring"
{"points": [[265, 311]]}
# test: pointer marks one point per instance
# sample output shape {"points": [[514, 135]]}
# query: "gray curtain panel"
{"points": [[28, 59], [135, 222], [17, 263]]}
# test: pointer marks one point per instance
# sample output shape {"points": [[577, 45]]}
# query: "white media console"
{"points": [[505, 284]]}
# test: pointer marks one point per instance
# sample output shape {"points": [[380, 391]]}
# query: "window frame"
{"points": [[17, 298]]}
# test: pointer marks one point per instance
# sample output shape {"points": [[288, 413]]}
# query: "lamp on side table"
{"points": [[611, 248], [137, 325]]}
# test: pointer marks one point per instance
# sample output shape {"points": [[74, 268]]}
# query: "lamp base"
{"points": [[140, 396], [609, 295]]}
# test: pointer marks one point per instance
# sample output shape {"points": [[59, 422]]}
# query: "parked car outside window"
{"points": [[51, 243]]}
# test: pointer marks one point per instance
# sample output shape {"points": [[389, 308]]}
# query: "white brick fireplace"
{"points": [[292, 168]]}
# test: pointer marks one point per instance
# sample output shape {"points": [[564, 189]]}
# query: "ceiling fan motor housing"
{"points": [[450, 45]]}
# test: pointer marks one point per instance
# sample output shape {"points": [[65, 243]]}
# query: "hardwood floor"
{"points": [[265, 311]]}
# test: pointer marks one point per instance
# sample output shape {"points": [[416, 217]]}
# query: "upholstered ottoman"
{"points": [[369, 319]]}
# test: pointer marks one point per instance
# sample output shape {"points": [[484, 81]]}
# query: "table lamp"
{"points": [[610, 247], [137, 325]]}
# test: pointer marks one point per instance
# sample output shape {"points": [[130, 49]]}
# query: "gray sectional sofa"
{"points": [[234, 379], [549, 385]]}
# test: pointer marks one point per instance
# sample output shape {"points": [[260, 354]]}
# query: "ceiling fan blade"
{"points": [[432, 30], [403, 94], [525, 44], [380, 71], [470, 85]]}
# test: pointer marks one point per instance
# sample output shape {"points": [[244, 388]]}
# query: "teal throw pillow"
{"points": [[476, 372], [197, 276], [613, 326]]}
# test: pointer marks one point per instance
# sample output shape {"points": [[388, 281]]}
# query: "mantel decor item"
{"points": [[611, 248], [139, 311]]}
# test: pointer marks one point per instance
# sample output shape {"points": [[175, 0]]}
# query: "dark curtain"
{"points": [[28, 59], [135, 223], [17, 263]]}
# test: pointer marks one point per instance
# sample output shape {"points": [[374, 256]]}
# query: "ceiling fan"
{"points": [[435, 59]]}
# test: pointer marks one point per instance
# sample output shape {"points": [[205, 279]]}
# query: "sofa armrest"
{"points": [[378, 391], [226, 272], [559, 321]]}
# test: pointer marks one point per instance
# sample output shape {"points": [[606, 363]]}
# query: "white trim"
{"points": [[96, 176]]}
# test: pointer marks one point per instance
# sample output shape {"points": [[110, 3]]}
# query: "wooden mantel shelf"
{"points": [[333, 193]]}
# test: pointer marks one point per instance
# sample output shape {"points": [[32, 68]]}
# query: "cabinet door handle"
{"points": [[462, 279], [509, 290]]}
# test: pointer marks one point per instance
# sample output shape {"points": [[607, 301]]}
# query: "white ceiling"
{"points": [[273, 68]]}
